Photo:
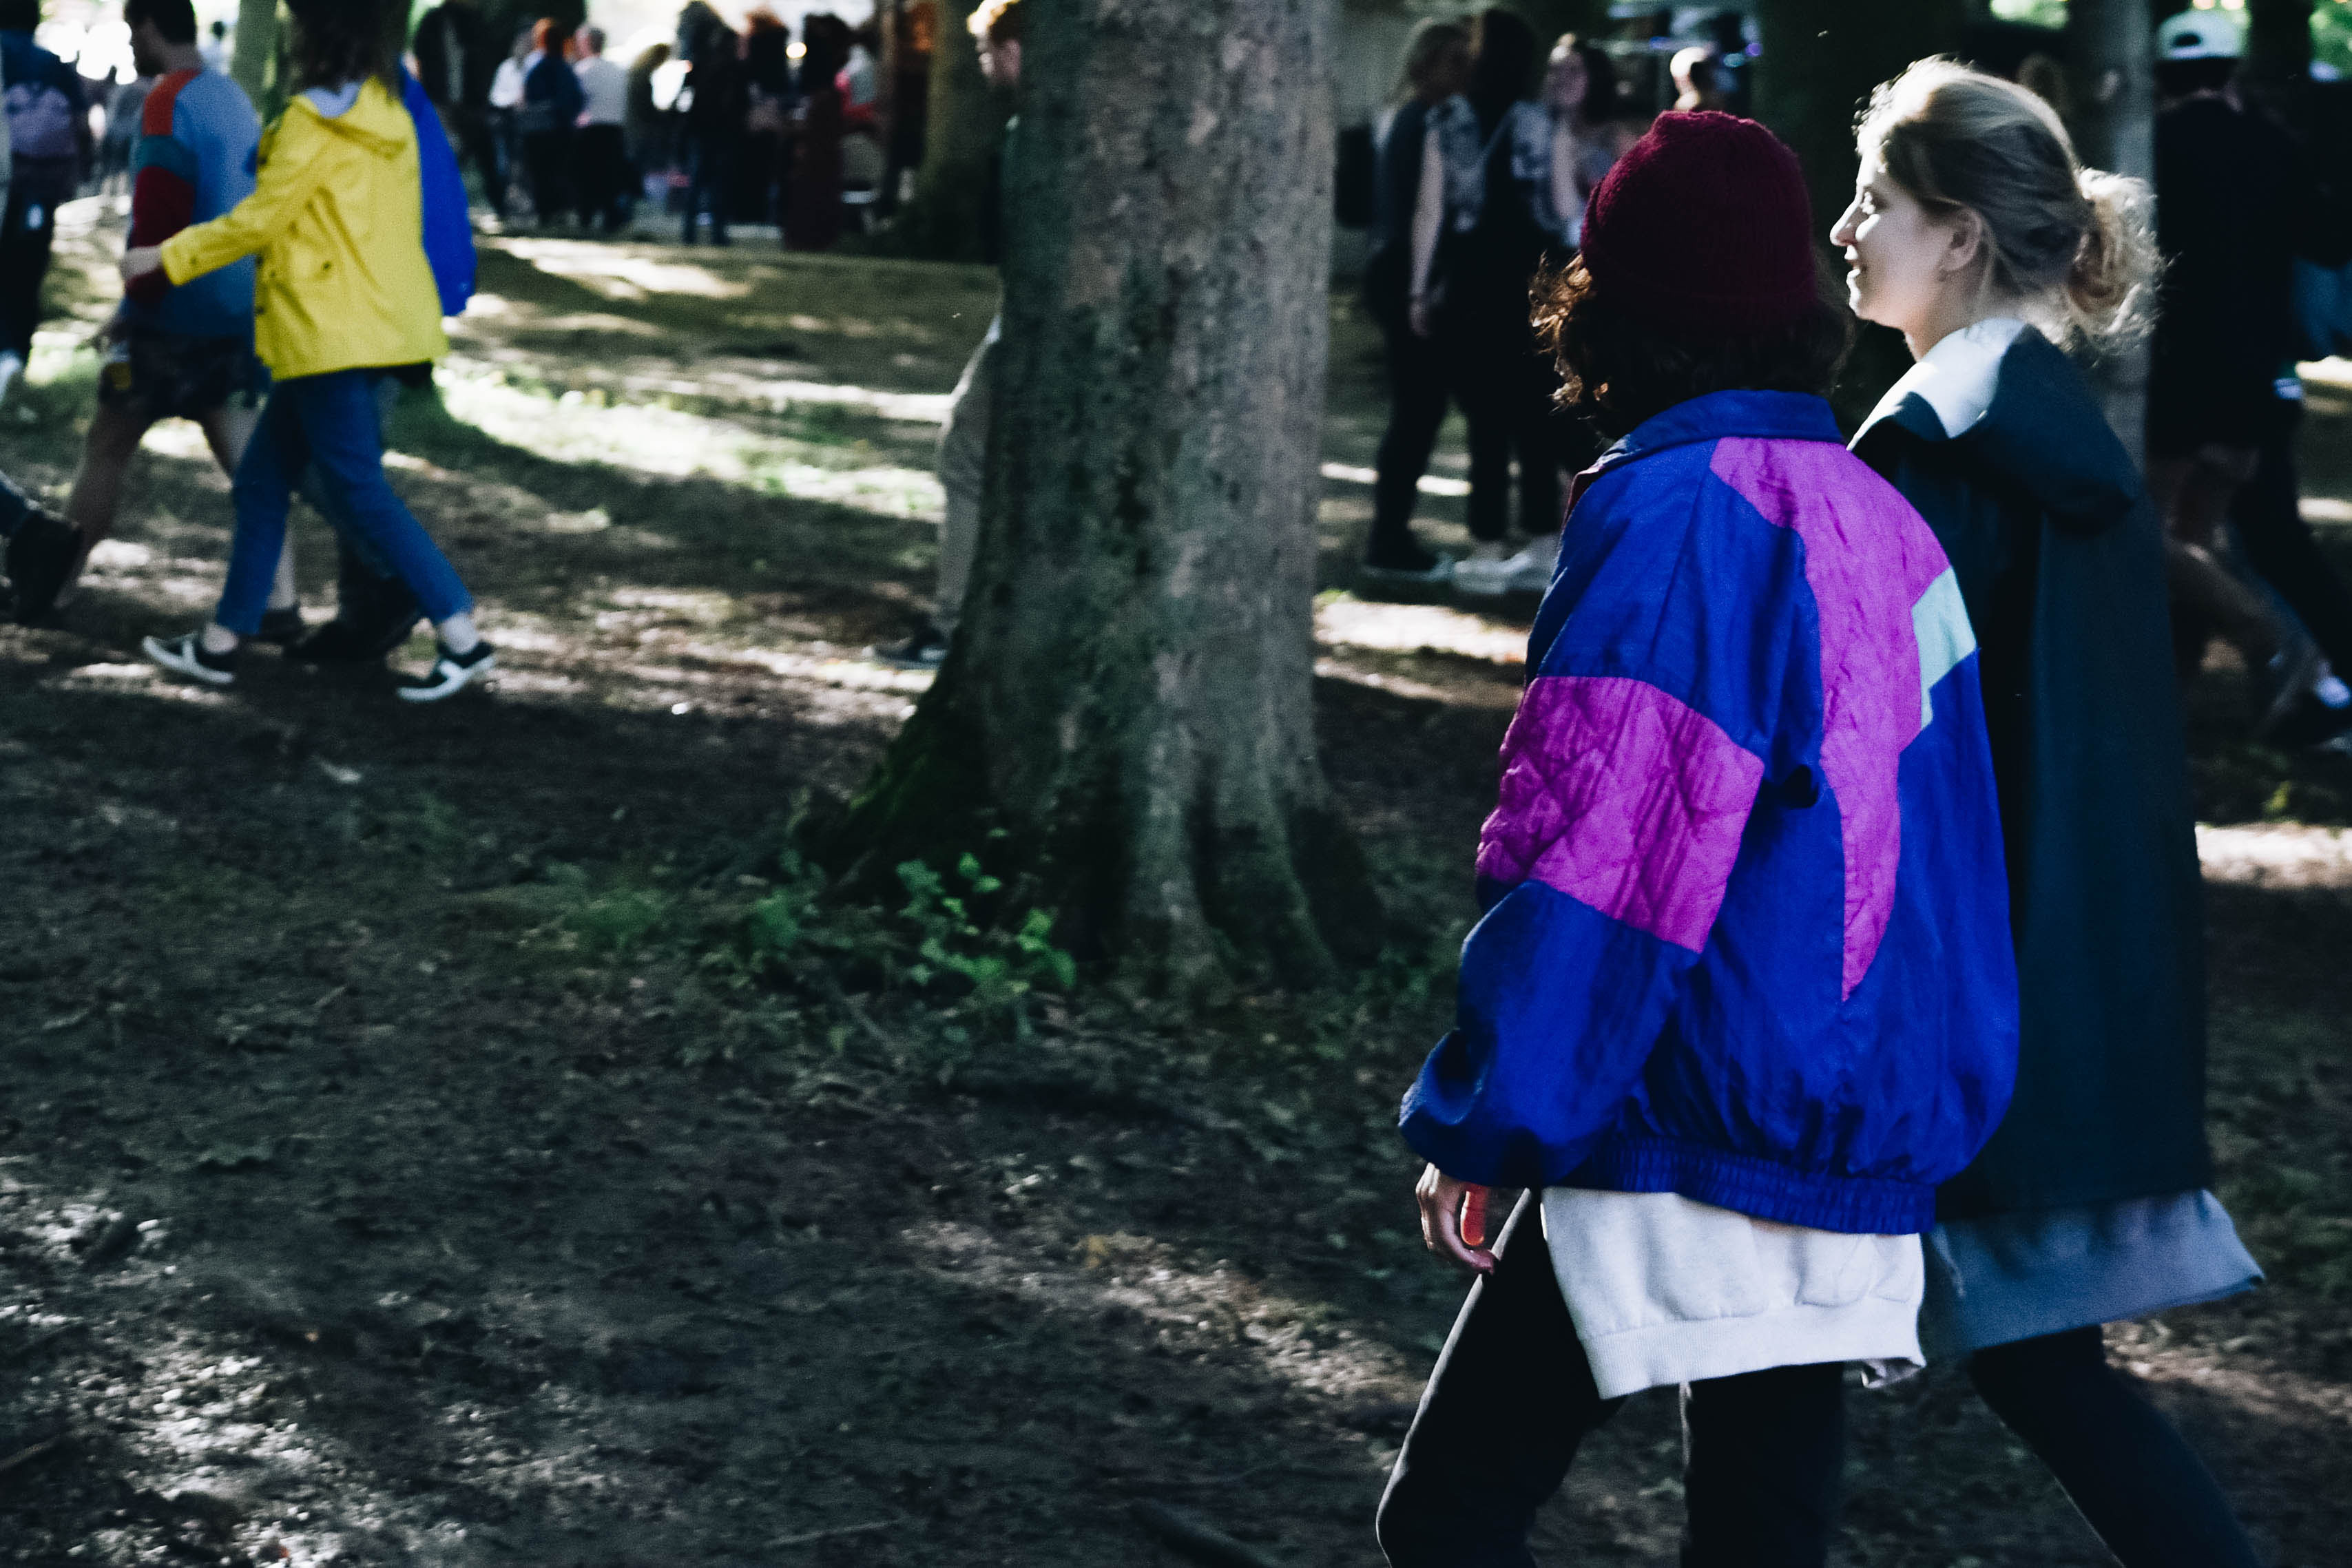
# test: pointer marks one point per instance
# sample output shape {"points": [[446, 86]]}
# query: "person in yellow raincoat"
{"points": [[343, 291]]}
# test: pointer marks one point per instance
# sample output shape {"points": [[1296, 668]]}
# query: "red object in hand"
{"points": [[1473, 1218]]}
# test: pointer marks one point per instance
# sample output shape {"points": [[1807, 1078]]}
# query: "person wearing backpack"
{"points": [[374, 610], [345, 292], [49, 132]]}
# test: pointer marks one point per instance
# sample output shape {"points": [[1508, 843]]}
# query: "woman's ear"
{"points": [[1966, 242]]}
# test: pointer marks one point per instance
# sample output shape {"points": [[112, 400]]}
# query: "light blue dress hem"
{"points": [[2012, 1277]]}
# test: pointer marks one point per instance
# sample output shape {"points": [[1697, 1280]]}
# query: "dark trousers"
{"points": [[27, 231], [711, 170], [548, 154], [1513, 1398], [2267, 513], [603, 162], [1506, 388], [2128, 1472], [1417, 403], [476, 139]]}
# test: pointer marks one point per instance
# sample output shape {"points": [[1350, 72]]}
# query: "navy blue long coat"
{"points": [[2061, 562]]}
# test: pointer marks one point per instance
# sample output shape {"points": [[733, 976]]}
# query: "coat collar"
{"points": [[1756, 415], [2041, 429]]}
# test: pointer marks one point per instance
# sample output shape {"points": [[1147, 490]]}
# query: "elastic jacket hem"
{"points": [[1759, 1188]]}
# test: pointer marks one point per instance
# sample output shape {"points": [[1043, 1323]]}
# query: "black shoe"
{"points": [[358, 638], [185, 656], [41, 556], [282, 627], [451, 674], [1415, 568], [926, 650]]}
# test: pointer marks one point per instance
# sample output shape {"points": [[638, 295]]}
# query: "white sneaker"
{"points": [[2330, 689], [1530, 571], [451, 674]]}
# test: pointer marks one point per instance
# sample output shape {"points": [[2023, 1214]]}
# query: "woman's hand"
{"points": [[138, 264], [1453, 1220], [1417, 317]]}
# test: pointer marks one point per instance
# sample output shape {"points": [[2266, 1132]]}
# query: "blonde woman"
{"points": [[1976, 233]]}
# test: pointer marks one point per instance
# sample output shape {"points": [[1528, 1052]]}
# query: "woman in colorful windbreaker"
{"points": [[1975, 232], [1743, 995], [345, 289]]}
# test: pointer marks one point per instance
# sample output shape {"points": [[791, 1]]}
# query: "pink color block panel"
{"points": [[1869, 557], [1624, 799]]}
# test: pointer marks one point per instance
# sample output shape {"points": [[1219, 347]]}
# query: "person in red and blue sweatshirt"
{"points": [[182, 352], [1743, 994]]}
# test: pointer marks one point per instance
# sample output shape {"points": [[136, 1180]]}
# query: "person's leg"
{"points": [[1763, 1467], [1511, 1400], [1417, 402], [2136, 1483], [115, 432], [20, 289], [2268, 515], [228, 430], [2195, 493], [263, 492], [963, 472], [341, 424], [1486, 408]]}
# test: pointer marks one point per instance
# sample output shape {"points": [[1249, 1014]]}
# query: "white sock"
{"points": [[457, 634], [216, 638]]}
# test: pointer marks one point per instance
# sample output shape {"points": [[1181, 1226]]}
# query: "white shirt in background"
{"points": [[606, 87], [506, 87]]}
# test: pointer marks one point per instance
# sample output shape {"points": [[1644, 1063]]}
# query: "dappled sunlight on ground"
{"points": [[488, 1202]]}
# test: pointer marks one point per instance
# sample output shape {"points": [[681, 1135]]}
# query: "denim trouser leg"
{"points": [[329, 420]]}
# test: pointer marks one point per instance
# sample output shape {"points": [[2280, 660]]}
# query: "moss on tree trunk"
{"points": [[1129, 699]]}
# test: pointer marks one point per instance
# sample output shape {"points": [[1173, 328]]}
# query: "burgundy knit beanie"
{"points": [[1703, 227]]}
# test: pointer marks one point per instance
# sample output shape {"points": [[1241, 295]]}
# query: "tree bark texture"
{"points": [[962, 122], [1821, 59], [2115, 128], [254, 63], [1129, 696]]}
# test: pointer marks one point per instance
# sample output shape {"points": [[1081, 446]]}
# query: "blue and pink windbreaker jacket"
{"points": [[1747, 923]]}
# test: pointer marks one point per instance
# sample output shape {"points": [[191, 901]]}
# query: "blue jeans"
{"points": [[331, 421]]}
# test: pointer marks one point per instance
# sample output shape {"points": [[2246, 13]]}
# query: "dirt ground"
{"points": [[399, 1164]]}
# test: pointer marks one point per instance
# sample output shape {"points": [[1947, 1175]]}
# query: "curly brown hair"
{"points": [[1618, 371], [340, 41]]}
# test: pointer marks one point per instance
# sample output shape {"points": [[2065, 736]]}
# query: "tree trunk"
{"points": [[254, 64], [1130, 696], [964, 120], [1821, 59], [2114, 53]]}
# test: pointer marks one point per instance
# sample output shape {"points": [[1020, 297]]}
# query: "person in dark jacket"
{"points": [[456, 61], [714, 117], [1742, 996], [1972, 221], [49, 131], [1437, 68], [552, 101]]}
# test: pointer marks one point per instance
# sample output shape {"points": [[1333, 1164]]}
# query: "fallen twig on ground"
{"points": [[811, 1537], [1197, 1540], [23, 1457]]}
